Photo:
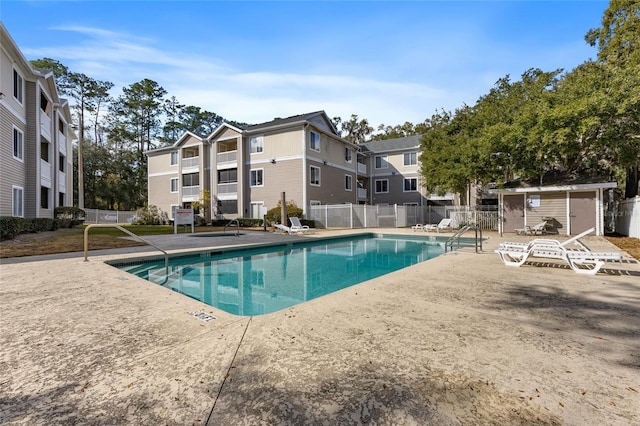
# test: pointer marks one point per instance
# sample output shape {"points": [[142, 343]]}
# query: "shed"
{"points": [[567, 209]]}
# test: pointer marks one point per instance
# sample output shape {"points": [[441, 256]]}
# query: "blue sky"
{"points": [[386, 61]]}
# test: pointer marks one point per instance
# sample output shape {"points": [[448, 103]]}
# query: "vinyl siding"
{"points": [[283, 176], [552, 204], [12, 171], [331, 189]]}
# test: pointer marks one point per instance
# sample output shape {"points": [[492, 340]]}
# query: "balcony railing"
{"points": [[362, 168], [362, 193], [62, 144], [227, 157], [45, 172], [45, 125], [190, 162], [62, 181], [191, 191], [228, 188]]}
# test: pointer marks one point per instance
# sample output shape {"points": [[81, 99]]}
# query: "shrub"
{"points": [[273, 215], [69, 216], [11, 226], [151, 215]]}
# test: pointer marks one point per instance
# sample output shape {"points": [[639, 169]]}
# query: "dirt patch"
{"points": [[628, 244]]}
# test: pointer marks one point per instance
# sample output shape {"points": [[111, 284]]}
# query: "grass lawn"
{"points": [[72, 240]]}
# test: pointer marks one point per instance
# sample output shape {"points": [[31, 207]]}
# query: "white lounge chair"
{"points": [[418, 227], [575, 239], [443, 224], [282, 228], [540, 228], [297, 226], [582, 261]]}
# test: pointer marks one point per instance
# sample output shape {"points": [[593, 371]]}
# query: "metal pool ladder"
{"points": [[126, 231], [237, 222], [456, 237]]}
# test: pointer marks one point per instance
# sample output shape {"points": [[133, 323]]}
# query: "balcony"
{"points": [[191, 191], [45, 173], [62, 144], [228, 188], [45, 126], [191, 162], [362, 193], [227, 157], [62, 181], [362, 168]]}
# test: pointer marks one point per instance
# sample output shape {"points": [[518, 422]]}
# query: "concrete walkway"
{"points": [[457, 340]]}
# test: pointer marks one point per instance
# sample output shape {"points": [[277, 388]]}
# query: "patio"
{"points": [[460, 339]]}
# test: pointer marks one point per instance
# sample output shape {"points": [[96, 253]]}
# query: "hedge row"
{"points": [[66, 217], [12, 226]]}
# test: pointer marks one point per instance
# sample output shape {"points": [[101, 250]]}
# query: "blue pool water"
{"points": [[261, 280]]}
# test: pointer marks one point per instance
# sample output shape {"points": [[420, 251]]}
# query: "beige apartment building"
{"points": [[303, 156], [36, 156]]}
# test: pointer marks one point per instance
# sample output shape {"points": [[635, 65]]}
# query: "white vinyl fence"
{"points": [[628, 217], [395, 216], [108, 216]]}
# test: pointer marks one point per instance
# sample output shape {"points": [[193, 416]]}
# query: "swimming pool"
{"points": [[260, 280]]}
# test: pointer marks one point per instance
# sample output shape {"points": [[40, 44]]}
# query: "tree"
{"points": [[618, 42], [135, 125], [354, 130], [398, 131]]}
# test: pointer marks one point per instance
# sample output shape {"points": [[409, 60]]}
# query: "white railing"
{"points": [[190, 162], [62, 144], [45, 172], [191, 191], [395, 216], [228, 188], [108, 216], [362, 193], [362, 168], [227, 157], [62, 181], [45, 125]]}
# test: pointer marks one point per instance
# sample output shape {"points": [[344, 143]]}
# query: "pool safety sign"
{"points": [[182, 217]]}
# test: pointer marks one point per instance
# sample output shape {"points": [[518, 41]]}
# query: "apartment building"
{"points": [[36, 156], [303, 156]]}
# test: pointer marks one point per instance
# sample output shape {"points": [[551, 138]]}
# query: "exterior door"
{"points": [[513, 213], [582, 211]]}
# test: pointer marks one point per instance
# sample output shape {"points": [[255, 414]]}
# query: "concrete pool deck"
{"points": [[457, 340]]}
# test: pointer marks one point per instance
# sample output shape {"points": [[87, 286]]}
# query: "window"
{"points": [[382, 186], [381, 162], [348, 182], [191, 179], [410, 158], [17, 202], [227, 206], [228, 176], [61, 126], [256, 144], [347, 154], [174, 158], [410, 184], [17, 86], [315, 203], [174, 184], [61, 162], [61, 197], [44, 151], [256, 177], [44, 197], [18, 144], [314, 141], [315, 176]]}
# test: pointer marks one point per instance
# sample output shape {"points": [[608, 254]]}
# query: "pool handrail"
{"points": [[237, 222], [456, 237], [126, 231]]}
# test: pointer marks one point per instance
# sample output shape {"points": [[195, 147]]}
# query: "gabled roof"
{"points": [[395, 144], [185, 136], [296, 119]]}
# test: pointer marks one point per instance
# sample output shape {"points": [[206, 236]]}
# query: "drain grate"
{"points": [[202, 316]]}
